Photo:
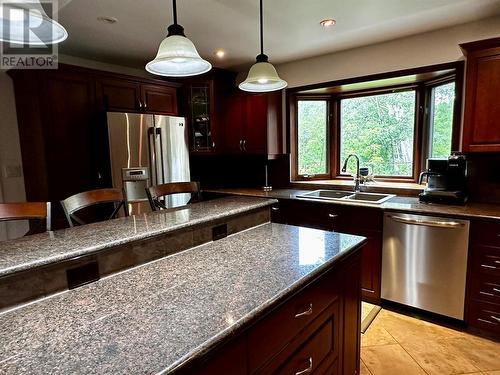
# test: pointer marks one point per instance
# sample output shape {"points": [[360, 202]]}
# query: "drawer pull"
{"points": [[332, 215], [309, 311], [495, 318], [488, 266], [497, 261], [275, 208], [496, 290], [486, 321], [308, 369], [487, 294]]}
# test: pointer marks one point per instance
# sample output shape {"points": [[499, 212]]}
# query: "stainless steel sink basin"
{"points": [[340, 195]]}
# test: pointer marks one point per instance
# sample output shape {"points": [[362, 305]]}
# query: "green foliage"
{"points": [[442, 120], [379, 129], [312, 136]]}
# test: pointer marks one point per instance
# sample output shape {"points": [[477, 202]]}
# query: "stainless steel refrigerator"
{"points": [[147, 150]]}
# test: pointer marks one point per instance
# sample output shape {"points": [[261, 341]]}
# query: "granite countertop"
{"points": [[402, 204], [159, 316], [46, 248]]}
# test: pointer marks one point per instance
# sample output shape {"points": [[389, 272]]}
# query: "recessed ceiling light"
{"points": [[108, 20], [328, 22], [220, 53]]}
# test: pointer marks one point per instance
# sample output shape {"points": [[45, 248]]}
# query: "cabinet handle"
{"points": [[497, 261], [244, 145], [309, 311], [213, 144], [308, 369], [487, 294], [495, 318], [241, 144], [488, 266], [275, 208], [496, 290], [332, 216], [486, 321]]}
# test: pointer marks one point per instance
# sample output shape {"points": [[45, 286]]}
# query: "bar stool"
{"points": [[26, 211], [86, 199], [155, 193]]}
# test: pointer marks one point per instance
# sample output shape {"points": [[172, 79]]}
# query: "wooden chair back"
{"points": [[79, 201], [155, 193], [26, 211]]}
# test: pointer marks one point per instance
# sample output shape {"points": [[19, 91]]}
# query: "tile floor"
{"points": [[396, 344]]}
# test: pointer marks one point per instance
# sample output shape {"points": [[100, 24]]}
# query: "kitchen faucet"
{"points": [[358, 176]]}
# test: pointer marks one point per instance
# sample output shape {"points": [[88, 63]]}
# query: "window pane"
{"points": [[312, 137], [441, 126], [380, 130]]}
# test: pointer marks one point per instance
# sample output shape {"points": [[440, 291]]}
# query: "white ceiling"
{"points": [[292, 29]]}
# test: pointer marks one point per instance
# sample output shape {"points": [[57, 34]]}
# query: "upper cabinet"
{"points": [[481, 131], [253, 124], [125, 95], [204, 105]]}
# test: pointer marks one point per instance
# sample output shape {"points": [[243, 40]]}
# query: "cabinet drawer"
{"points": [[485, 233], [487, 260], [486, 288], [311, 357], [276, 330], [485, 316]]}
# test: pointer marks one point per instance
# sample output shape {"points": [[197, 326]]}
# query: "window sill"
{"points": [[398, 188]]}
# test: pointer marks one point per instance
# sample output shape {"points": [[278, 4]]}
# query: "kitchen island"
{"points": [[268, 298]]}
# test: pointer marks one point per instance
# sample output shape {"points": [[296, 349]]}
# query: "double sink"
{"points": [[340, 195]]}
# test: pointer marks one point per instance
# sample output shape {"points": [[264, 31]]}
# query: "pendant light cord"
{"points": [[261, 29], [174, 6]]}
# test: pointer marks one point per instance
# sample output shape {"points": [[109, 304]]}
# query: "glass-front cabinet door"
{"points": [[201, 119]]}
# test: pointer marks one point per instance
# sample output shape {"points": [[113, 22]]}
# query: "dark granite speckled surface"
{"points": [[42, 249], [158, 316], [400, 204]]}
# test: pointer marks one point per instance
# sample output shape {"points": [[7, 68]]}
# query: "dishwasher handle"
{"points": [[427, 223]]}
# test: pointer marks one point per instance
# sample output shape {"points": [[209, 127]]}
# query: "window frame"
{"points": [[295, 142], [421, 127]]}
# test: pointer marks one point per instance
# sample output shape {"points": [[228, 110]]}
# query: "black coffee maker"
{"points": [[446, 180]]}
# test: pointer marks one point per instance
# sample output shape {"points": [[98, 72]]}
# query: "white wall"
{"points": [[419, 50], [11, 188]]}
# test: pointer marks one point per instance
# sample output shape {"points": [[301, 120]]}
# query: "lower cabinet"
{"points": [[484, 277], [362, 221], [316, 331]]}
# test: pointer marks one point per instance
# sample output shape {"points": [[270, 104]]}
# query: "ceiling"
{"points": [[292, 29]]}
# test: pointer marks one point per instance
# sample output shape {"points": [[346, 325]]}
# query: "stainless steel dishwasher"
{"points": [[424, 262]]}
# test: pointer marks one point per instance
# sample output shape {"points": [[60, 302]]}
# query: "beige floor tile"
{"points": [[407, 329], [484, 353], [440, 357], [389, 360], [376, 334], [491, 373], [364, 370]]}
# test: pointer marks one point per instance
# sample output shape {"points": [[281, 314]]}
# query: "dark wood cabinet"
{"points": [[483, 280], [159, 99], [118, 95], [363, 221], [62, 126], [126, 95], [317, 330], [252, 124], [481, 131], [204, 104]]}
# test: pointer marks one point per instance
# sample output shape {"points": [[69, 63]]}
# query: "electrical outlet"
{"points": [[12, 171]]}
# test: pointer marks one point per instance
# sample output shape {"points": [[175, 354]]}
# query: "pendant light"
{"points": [[26, 22], [262, 76], [177, 56]]}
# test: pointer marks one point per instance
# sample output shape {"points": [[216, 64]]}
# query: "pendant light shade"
{"points": [[177, 56], [26, 22], [262, 76]]}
